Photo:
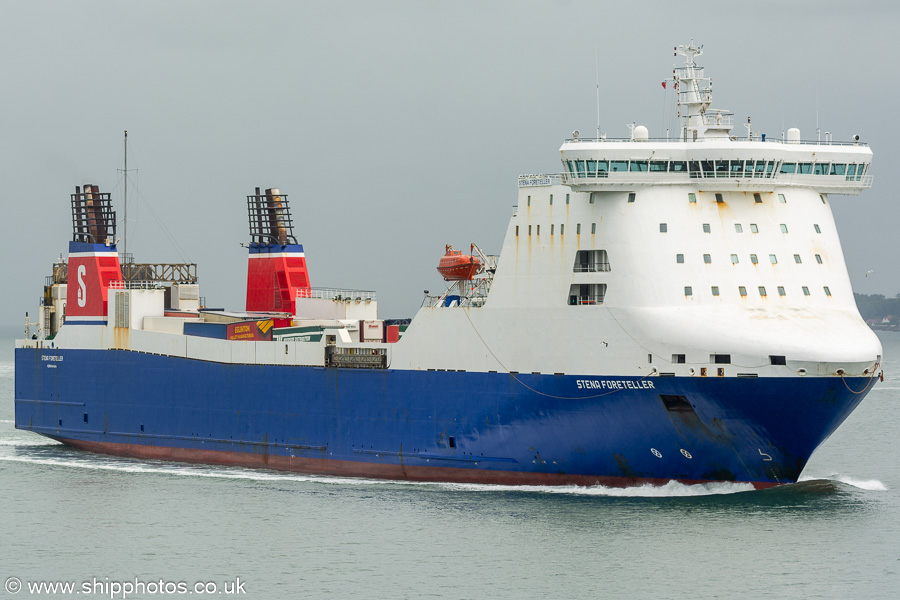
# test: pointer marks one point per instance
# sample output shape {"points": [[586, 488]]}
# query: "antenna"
{"points": [[597, 70], [818, 131], [125, 198]]}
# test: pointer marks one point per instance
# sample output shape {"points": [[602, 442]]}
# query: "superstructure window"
{"points": [[567, 198], [742, 290], [820, 168], [618, 165], [720, 359], [773, 259], [593, 228], [552, 227], [822, 196], [688, 291], [517, 231], [538, 230], [805, 291], [678, 166], [819, 258], [782, 199], [707, 259], [562, 229], [591, 261], [663, 228], [719, 198], [777, 360], [753, 259], [784, 228], [679, 258], [738, 228], [757, 198], [639, 166], [788, 167], [706, 228], [631, 197], [781, 291], [578, 229], [762, 290], [754, 228], [587, 294], [529, 200], [715, 290], [692, 198], [678, 359], [734, 259], [818, 230], [827, 291], [551, 199], [804, 168], [529, 230], [797, 259]]}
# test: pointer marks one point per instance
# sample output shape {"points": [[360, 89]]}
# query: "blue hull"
{"points": [[432, 425]]}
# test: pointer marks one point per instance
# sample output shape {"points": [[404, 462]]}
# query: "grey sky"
{"points": [[396, 127]]}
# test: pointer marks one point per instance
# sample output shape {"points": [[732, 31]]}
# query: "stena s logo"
{"points": [[82, 289]]}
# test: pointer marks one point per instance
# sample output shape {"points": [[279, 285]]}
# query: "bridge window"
{"points": [[678, 166], [820, 168], [838, 169], [851, 171], [619, 165], [658, 166], [859, 171], [804, 168], [602, 171], [639, 165], [707, 167], [761, 167], [788, 167], [570, 165], [591, 168], [721, 168], [737, 168], [591, 261], [587, 294]]}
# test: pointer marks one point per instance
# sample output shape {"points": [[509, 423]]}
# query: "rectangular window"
{"points": [[619, 165], [679, 258], [707, 259], [734, 259], [578, 229], [757, 198], [663, 228], [715, 290], [738, 228], [689, 292], [819, 258], [783, 228], [586, 294], [737, 168], [818, 230], [658, 166], [579, 167], [706, 228], [517, 231], [719, 199], [562, 229], [639, 166], [788, 167], [754, 228], [773, 259], [797, 259], [838, 169], [552, 227], [782, 199], [781, 290], [761, 167], [567, 198], [593, 228], [538, 230], [804, 168], [602, 168], [777, 360], [678, 166], [753, 259], [721, 168], [820, 168], [692, 198], [720, 359], [859, 171], [551, 199], [529, 230], [742, 290], [678, 359], [822, 196], [592, 168], [762, 290], [851, 171], [805, 291], [529, 200], [827, 291], [631, 197], [591, 261]]}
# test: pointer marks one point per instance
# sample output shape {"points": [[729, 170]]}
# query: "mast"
{"points": [[125, 198]]}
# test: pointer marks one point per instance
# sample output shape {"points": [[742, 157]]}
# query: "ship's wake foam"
{"points": [[869, 485]]}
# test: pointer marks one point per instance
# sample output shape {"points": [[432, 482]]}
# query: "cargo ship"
{"points": [[660, 309]]}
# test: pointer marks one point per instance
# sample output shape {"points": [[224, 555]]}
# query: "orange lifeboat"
{"points": [[455, 265]]}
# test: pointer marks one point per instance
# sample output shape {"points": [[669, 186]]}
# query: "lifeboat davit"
{"points": [[455, 265]]}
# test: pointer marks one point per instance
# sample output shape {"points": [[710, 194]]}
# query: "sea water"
{"points": [[123, 528]]}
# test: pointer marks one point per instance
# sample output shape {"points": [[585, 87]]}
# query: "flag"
{"points": [[664, 84]]}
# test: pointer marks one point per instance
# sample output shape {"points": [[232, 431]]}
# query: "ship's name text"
{"points": [[51, 358], [614, 384]]}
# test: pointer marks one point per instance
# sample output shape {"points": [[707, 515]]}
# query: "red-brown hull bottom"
{"points": [[346, 468]]}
